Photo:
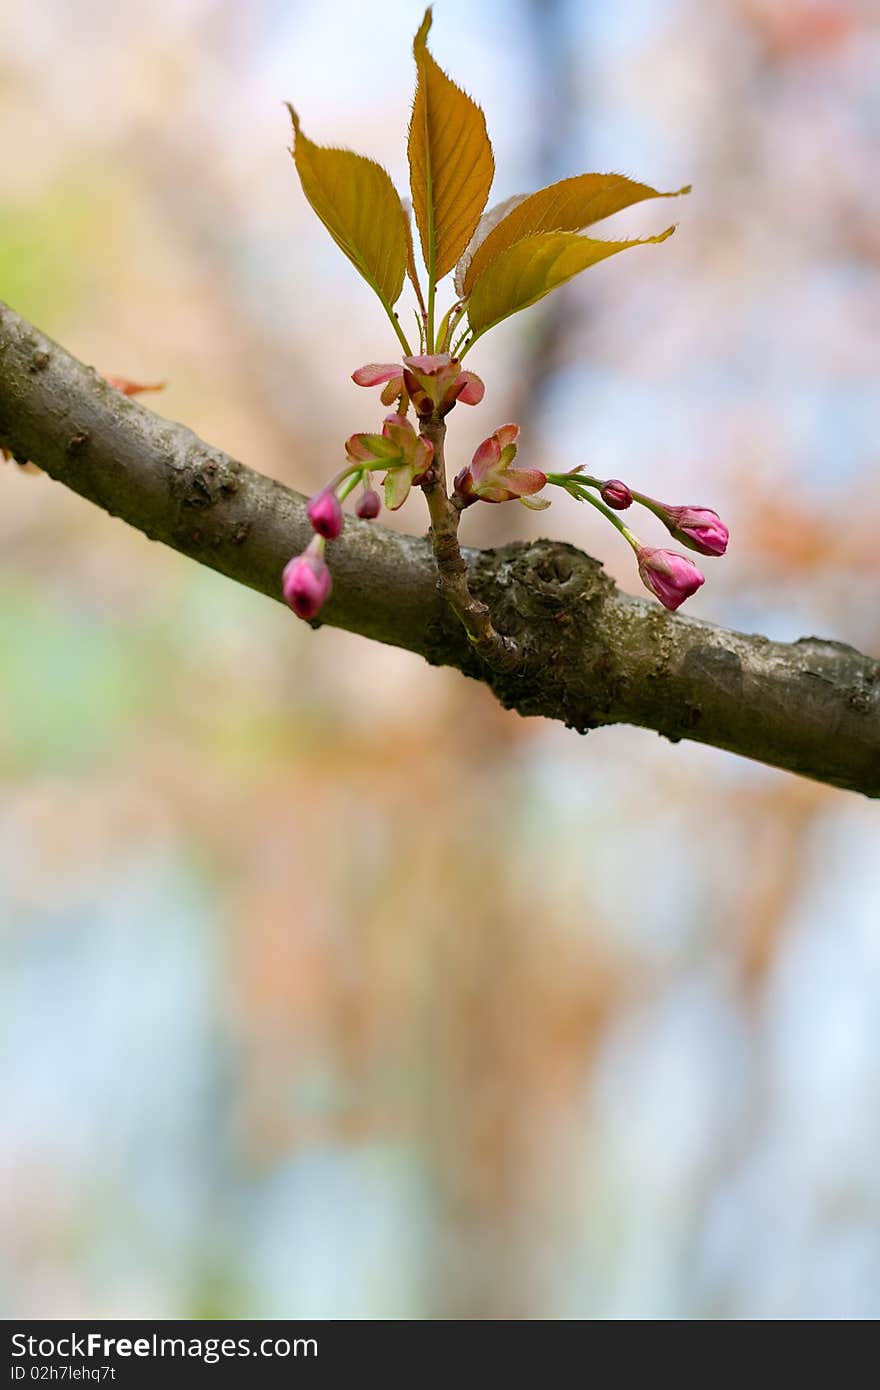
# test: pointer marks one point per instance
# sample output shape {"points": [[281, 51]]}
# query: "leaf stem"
{"points": [[432, 241], [432, 290], [569, 482], [355, 477], [467, 344], [395, 324]]}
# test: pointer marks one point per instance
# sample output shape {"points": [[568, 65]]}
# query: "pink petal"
{"points": [[507, 434], [522, 482], [428, 365], [375, 373], [397, 427], [486, 458], [473, 390]]}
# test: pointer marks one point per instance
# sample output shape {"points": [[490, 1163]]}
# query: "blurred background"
{"points": [[303, 1013]]}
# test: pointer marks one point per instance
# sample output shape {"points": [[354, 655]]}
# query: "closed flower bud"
{"points": [[616, 494], [370, 505], [325, 513], [306, 583], [463, 488], [700, 529], [672, 578]]}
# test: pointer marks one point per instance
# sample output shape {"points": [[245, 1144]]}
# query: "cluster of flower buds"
{"points": [[306, 581], [671, 577], [492, 477], [433, 383], [405, 457]]}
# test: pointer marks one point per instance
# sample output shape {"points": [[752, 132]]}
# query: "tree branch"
{"points": [[498, 652], [593, 655]]}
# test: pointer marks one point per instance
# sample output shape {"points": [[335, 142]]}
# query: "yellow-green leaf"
{"points": [[360, 207], [450, 159], [533, 267], [398, 482], [487, 223], [568, 206]]}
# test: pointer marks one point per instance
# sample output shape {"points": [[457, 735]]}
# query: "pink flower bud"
{"points": [[306, 583], [325, 513], [672, 578], [700, 529], [616, 494], [406, 455], [463, 487], [370, 505]]}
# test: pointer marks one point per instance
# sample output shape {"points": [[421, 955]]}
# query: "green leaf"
{"points": [[568, 206], [359, 205], [378, 446], [533, 267], [398, 482], [450, 159]]}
